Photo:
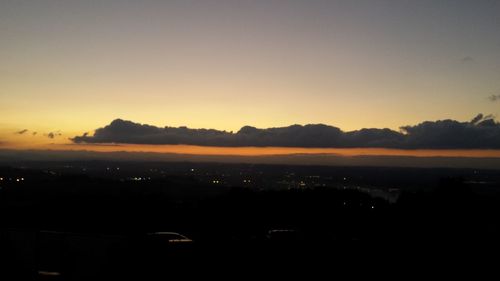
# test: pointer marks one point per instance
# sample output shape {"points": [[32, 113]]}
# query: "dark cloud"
{"points": [[52, 135], [22, 132], [494, 98], [478, 118], [481, 132]]}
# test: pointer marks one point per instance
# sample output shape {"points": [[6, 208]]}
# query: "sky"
{"points": [[70, 67]]}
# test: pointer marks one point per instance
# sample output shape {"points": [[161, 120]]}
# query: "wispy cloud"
{"points": [[494, 98], [467, 59]]}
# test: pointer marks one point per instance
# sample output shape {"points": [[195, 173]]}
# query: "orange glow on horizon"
{"points": [[263, 151]]}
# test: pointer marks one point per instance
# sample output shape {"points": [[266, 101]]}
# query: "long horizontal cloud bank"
{"points": [[482, 132]]}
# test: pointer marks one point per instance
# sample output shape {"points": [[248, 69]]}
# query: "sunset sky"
{"points": [[70, 67]]}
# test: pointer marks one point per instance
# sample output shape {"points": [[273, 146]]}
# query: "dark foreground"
{"points": [[71, 256], [79, 226]]}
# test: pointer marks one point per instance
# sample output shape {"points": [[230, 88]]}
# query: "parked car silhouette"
{"points": [[283, 235], [169, 237]]}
